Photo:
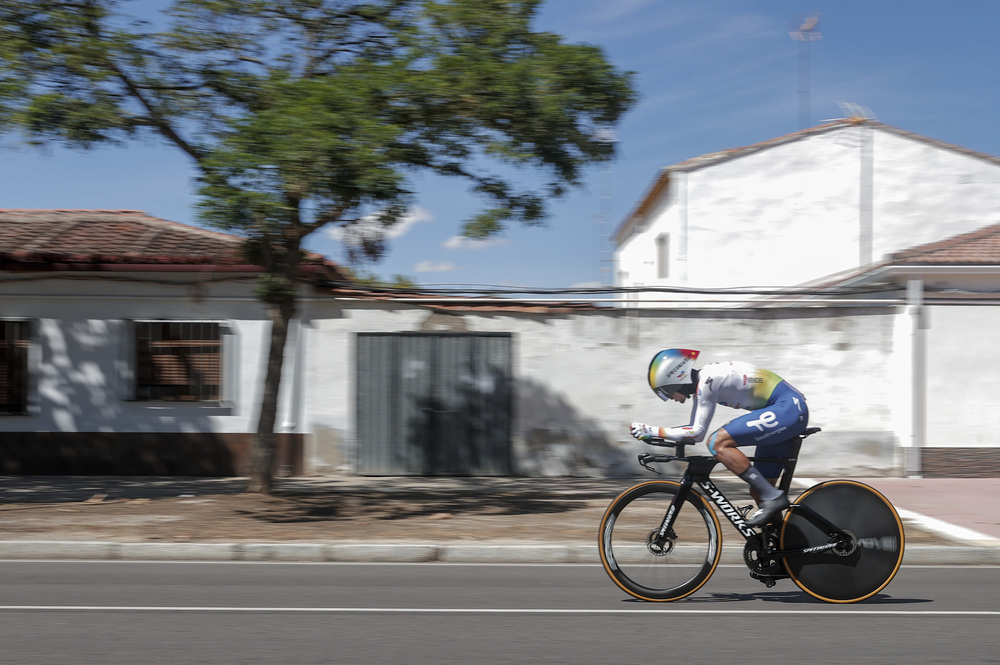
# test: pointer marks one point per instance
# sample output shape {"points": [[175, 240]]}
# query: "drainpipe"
{"points": [[918, 376], [866, 187], [295, 405], [682, 250], [295, 380]]}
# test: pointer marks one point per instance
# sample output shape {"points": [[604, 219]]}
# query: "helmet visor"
{"points": [[667, 392]]}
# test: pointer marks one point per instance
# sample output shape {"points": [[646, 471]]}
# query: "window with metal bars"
{"points": [[15, 342], [178, 361]]}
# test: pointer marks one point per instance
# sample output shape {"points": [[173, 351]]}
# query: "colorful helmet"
{"points": [[670, 370]]}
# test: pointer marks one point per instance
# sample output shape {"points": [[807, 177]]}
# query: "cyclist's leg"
{"points": [[793, 412], [726, 450], [771, 429], [724, 447]]}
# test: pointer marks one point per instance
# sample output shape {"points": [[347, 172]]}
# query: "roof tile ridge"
{"points": [[136, 215], [74, 210], [954, 147], [58, 228], [157, 224], [729, 153], [948, 243]]}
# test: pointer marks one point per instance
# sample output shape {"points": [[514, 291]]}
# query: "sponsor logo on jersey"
{"points": [[768, 435], [767, 419]]}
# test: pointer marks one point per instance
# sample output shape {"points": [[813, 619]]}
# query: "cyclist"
{"points": [[778, 413]]}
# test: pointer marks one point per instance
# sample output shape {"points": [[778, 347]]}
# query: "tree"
{"points": [[302, 113]]}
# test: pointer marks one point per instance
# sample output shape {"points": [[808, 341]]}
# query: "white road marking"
{"points": [[946, 529], [473, 610]]}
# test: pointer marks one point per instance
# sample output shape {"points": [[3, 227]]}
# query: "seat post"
{"points": [[793, 458]]}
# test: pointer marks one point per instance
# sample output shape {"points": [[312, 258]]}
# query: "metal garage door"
{"points": [[433, 403]]}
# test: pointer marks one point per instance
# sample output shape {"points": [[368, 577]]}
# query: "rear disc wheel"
{"points": [[864, 562]]}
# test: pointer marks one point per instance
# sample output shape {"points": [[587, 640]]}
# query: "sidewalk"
{"points": [[409, 519]]}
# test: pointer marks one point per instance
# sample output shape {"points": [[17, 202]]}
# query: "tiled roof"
{"points": [[979, 247], [976, 248], [40, 238]]}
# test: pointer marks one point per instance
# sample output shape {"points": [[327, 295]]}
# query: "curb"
{"points": [[395, 552]]}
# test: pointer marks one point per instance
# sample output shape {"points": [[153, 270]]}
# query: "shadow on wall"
{"points": [[87, 422], [85, 384], [463, 429], [552, 438]]}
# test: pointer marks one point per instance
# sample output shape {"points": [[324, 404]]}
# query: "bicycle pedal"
{"points": [[768, 579], [745, 510]]}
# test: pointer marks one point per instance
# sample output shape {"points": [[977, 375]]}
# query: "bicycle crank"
{"points": [[762, 568]]}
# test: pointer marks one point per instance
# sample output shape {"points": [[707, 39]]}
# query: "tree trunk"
{"points": [[278, 294], [260, 465]]}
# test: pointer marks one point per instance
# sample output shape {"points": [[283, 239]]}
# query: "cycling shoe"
{"points": [[769, 509]]}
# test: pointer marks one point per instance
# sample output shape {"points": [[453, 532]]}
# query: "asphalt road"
{"points": [[208, 613]]}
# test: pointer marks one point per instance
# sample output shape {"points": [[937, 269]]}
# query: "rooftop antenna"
{"points": [[854, 111], [608, 136], [805, 30]]}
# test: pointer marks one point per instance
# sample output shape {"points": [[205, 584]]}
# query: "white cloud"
{"points": [[368, 224], [432, 266], [461, 242]]}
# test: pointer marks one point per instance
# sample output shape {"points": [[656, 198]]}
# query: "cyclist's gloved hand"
{"points": [[643, 432]]}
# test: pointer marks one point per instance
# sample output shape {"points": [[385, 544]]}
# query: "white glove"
{"points": [[643, 432]]}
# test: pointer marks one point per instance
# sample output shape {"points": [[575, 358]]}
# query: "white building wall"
{"points": [[924, 193], [329, 376], [962, 377], [81, 356], [793, 212], [579, 379], [775, 217]]}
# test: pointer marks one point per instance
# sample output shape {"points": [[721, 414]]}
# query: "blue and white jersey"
{"points": [[738, 385]]}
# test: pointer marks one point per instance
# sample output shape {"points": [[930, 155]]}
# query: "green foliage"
{"points": [[373, 281], [275, 288], [301, 113]]}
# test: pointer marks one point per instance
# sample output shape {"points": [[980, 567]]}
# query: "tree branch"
{"points": [[156, 119]]}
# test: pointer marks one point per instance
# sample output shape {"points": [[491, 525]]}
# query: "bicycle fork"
{"points": [[666, 533], [661, 541]]}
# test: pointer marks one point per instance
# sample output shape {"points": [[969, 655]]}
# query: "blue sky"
{"points": [[712, 75]]}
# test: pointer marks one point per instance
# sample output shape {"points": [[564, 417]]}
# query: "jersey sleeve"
{"points": [[701, 414]]}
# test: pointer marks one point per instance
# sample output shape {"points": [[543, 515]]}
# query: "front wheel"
{"points": [[648, 566], [860, 566]]}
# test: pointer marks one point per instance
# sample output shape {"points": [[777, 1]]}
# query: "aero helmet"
{"points": [[670, 370]]}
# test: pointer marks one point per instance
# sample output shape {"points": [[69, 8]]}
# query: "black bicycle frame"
{"points": [[697, 473]]}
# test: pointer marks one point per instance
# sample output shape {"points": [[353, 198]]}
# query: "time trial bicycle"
{"points": [[840, 541]]}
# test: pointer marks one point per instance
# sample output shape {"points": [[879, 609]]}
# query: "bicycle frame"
{"points": [[698, 474]]}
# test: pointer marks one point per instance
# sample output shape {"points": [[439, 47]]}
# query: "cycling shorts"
{"points": [[772, 427]]}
